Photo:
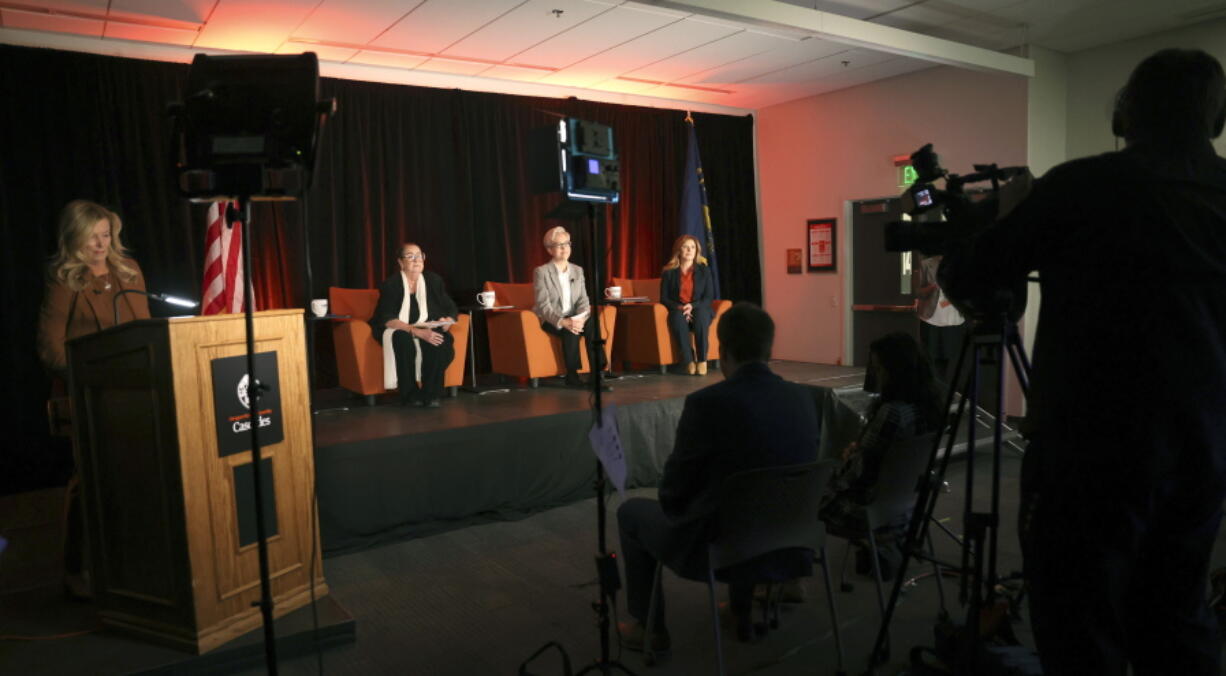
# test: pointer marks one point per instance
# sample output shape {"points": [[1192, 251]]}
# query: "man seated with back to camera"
{"points": [[1124, 478], [750, 420]]}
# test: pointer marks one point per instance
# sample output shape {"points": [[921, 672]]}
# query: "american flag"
{"points": [[223, 272]]}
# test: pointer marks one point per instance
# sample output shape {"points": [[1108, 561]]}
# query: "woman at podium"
{"points": [[686, 290], [412, 320], [88, 271]]}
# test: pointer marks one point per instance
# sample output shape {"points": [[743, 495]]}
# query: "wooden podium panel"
{"points": [[162, 511]]}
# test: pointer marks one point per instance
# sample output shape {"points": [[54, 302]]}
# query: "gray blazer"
{"points": [[549, 294]]}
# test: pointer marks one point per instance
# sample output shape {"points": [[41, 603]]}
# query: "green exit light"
{"points": [[906, 176]]}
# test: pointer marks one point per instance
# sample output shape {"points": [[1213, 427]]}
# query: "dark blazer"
{"points": [[391, 296], [670, 287], [754, 419]]}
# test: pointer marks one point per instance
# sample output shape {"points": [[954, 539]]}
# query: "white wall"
{"points": [[1046, 142], [818, 152], [1096, 75]]}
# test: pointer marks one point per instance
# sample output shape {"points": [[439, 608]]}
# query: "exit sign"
{"points": [[906, 173], [906, 176]]}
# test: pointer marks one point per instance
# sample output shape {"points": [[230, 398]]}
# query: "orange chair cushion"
{"points": [[359, 353], [357, 303], [627, 286], [519, 295], [647, 287]]}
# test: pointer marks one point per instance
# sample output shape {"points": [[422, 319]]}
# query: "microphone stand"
{"points": [[165, 298]]}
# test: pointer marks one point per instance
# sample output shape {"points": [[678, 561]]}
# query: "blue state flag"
{"points": [[695, 215]]}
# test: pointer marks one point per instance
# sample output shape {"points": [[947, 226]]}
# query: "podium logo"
{"points": [[242, 393]]}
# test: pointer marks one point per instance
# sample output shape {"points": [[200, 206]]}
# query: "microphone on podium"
{"points": [[165, 298]]}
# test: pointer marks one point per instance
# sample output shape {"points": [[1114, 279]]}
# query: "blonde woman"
{"points": [[89, 270], [562, 304], [686, 289]]}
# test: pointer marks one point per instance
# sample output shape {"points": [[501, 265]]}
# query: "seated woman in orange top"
{"points": [[686, 289]]}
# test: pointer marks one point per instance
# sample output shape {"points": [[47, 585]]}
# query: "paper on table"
{"points": [[438, 324], [607, 445]]}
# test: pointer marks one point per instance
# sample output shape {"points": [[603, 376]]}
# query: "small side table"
{"points": [[472, 385], [627, 299], [311, 317]]}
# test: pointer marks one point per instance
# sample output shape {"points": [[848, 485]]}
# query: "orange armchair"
{"points": [[359, 356], [519, 347], [642, 330]]}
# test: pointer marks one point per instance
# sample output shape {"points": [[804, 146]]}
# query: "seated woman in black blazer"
{"points": [[686, 289], [413, 353]]}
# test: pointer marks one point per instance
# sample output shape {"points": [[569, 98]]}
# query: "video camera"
{"points": [[945, 221], [964, 213]]}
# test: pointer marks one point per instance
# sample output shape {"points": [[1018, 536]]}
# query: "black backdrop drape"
{"points": [[444, 168]]}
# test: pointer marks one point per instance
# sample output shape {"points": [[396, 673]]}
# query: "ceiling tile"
{"points": [[456, 67], [389, 59], [856, 9], [253, 27], [510, 72], [354, 23], [94, 7], [658, 45], [785, 56], [118, 30], [607, 30], [686, 66], [850, 60], [190, 11], [435, 25], [324, 52], [524, 27], [629, 86], [56, 23]]}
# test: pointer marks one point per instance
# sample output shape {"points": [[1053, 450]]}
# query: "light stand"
{"points": [[996, 336], [254, 391], [606, 562], [249, 127]]}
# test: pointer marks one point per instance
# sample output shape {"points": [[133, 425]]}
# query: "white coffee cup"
{"points": [[319, 307], [613, 293], [486, 299]]}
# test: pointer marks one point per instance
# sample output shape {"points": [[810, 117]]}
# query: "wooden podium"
{"points": [[171, 548]]}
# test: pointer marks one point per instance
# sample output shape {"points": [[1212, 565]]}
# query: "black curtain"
{"points": [[444, 168]]}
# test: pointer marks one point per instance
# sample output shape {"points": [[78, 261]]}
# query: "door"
{"points": [[881, 298]]}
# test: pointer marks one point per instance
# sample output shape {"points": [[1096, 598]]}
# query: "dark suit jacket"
{"points": [[754, 419], [391, 296], [670, 287]]}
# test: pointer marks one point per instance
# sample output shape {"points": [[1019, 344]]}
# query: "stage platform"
{"points": [[386, 473]]}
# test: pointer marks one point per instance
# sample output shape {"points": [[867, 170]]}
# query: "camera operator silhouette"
{"points": [[1125, 475]]}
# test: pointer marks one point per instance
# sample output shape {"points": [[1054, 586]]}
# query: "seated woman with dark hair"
{"points": [[910, 405], [412, 351], [686, 289]]}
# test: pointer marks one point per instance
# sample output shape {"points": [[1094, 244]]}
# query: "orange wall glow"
{"points": [[816, 153]]}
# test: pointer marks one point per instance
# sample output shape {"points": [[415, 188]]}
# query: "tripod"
{"points": [[989, 341]]}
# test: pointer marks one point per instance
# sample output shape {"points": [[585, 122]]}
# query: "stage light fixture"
{"points": [[248, 126]]}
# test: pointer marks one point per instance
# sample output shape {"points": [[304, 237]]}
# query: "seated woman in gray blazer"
{"points": [[411, 352], [686, 290], [561, 302]]}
